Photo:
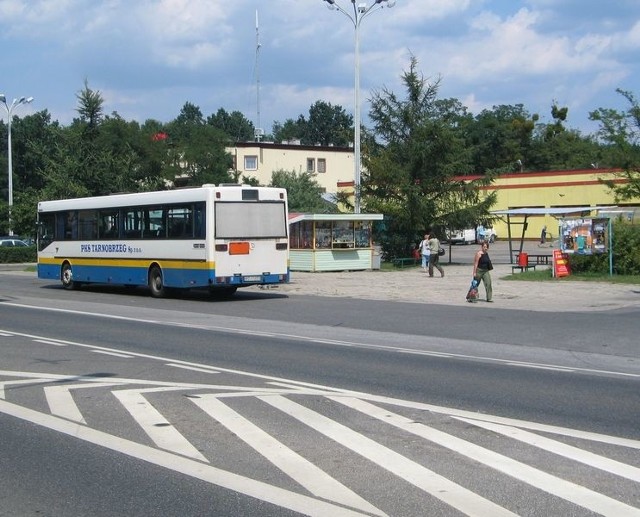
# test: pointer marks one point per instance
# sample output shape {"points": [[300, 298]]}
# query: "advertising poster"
{"points": [[584, 236]]}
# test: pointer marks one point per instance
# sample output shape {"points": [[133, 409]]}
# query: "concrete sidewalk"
{"points": [[415, 286]]}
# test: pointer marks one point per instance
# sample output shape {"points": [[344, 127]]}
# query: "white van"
{"points": [[467, 236]]}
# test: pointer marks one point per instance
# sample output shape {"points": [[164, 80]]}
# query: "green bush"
{"points": [[17, 255], [626, 248], [626, 254]]}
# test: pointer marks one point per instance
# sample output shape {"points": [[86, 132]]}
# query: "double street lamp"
{"points": [[9, 108], [360, 11]]}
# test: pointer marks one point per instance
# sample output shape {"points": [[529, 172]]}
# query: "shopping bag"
{"points": [[472, 294]]}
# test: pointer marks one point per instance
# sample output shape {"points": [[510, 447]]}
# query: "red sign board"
{"points": [[560, 264]]}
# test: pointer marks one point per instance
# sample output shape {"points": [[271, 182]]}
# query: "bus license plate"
{"points": [[254, 278]]}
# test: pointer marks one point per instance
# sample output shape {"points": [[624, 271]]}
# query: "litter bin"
{"points": [[523, 259]]}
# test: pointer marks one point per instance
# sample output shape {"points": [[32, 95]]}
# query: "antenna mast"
{"points": [[259, 132]]}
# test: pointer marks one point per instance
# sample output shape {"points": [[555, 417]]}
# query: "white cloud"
{"points": [[151, 56]]}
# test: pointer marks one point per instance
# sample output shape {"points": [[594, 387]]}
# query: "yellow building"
{"points": [[554, 189], [329, 166]]}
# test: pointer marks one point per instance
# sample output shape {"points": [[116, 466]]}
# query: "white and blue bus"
{"points": [[217, 237]]}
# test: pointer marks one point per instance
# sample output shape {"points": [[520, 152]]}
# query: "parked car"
{"points": [[471, 235], [490, 234], [12, 241]]}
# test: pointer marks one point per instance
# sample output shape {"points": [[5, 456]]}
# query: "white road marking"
{"points": [[192, 368], [115, 354], [438, 486], [49, 342], [297, 387], [567, 490], [61, 401], [262, 491], [18, 383], [542, 367], [308, 475], [162, 432], [561, 449], [523, 424]]}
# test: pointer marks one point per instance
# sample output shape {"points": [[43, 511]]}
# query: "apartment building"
{"points": [[331, 167]]}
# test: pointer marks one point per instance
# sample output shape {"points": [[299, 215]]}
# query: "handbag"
{"points": [[441, 252]]}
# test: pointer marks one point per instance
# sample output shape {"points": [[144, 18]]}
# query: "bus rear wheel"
{"points": [[66, 277], [156, 286]]}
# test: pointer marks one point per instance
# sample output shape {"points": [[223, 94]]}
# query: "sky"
{"points": [[148, 58]]}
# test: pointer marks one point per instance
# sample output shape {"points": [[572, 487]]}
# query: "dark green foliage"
{"points": [[415, 176], [18, 255], [326, 125], [626, 248], [589, 263], [234, 125], [303, 192]]}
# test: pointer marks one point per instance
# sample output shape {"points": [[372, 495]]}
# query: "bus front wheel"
{"points": [[156, 286], [66, 276]]}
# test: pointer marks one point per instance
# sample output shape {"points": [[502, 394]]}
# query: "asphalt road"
{"points": [[100, 375]]}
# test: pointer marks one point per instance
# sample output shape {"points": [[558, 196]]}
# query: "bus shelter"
{"points": [[332, 242], [519, 217]]}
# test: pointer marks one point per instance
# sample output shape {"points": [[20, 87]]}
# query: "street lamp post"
{"points": [[360, 11], [9, 109]]}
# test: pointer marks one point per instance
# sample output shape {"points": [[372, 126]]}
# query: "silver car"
{"points": [[10, 241]]}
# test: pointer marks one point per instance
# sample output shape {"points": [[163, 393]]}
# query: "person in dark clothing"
{"points": [[482, 267]]}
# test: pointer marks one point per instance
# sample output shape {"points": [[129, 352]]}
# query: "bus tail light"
{"points": [[221, 247], [281, 245]]}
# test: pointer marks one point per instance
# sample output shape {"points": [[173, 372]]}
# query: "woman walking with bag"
{"points": [[482, 267]]}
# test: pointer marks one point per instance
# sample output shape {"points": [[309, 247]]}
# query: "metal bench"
{"points": [[532, 262]]}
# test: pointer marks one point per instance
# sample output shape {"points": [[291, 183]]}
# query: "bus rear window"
{"points": [[250, 220]]}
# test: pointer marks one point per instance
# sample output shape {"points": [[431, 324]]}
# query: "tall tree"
{"points": [[621, 132], [290, 130], [414, 177], [196, 151], [303, 192], [235, 125], [90, 108], [328, 125], [500, 137]]}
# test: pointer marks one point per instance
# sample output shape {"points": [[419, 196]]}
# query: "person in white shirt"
{"points": [[425, 252]]}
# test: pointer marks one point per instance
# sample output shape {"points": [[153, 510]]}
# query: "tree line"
{"points": [[416, 154]]}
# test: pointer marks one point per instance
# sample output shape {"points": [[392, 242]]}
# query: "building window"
{"points": [[250, 163], [311, 165], [322, 165]]}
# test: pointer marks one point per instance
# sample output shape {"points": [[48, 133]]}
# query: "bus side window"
{"points": [[70, 225], [176, 229], [198, 214]]}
